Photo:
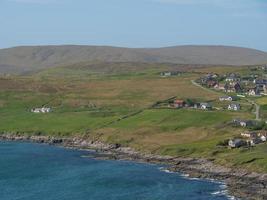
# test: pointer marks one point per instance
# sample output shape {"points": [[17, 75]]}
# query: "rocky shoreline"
{"points": [[241, 183]]}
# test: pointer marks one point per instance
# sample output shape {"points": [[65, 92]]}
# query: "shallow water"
{"points": [[42, 172]]}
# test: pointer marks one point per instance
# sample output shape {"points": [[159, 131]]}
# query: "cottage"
{"points": [[263, 136], [237, 87], [228, 88], [219, 86], [234, 106], [260, 81], [212, 75], [227, 98], [211, 83], [253, 141], [165, 74], [236, 143], [41, 110], [205, 106], [170, 73], [253, 92], [243, 123], [178, 103], [249, 134]]}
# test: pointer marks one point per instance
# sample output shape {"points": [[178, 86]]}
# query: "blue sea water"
{"points": [[42, 172]]}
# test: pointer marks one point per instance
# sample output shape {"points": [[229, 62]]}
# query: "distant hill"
{"points": [[23, 59]]}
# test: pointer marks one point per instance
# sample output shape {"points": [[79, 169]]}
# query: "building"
{"points": [[170, 73], [236, 143], [178, 103], [263, 136], [227, 98], [219, 86], [254, 141], [234, 106], [243, 123], [205, 106], [249, 134], [41, 110], [254, 92]]}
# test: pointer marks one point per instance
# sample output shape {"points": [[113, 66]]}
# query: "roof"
{"points": [[205, 104]]}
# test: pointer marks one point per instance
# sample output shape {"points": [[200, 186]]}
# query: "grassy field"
{"points": [[90, 103]]}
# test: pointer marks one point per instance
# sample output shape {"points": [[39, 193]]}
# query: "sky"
{"points": [[134, 23]]}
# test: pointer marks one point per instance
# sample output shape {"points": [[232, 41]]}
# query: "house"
{"points": [[260, 81], [41, 110], [170, 73], [236, 143], [234, 106], [212, 75], [254, 92], [196, 105], [237, 87], [228, 88], [219, 86], [253, 141], [249, 134], [263, 136], [205, 106], [211, 83], [227, 98], [243, 123], [165, 73], [178, 103], [232, 77]]}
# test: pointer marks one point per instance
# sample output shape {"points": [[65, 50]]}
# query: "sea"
{"points": [[30, 171]]}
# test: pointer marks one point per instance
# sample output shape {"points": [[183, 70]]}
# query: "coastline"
{"points": [[240, 183]]}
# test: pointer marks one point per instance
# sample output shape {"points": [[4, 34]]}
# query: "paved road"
{"points": [[257, 107]]}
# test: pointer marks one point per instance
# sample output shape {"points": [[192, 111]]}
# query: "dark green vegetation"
{"points": [[116, 107]]}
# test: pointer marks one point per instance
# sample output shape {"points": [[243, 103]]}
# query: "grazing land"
{"points": [[119, 108]]}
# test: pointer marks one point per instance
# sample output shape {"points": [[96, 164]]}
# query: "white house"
{"points": [[205, 106], [41, 110], [226, 98], [263, 138], [234, 106]]}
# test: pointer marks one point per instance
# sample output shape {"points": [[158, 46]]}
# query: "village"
{"points": [[235, 88], [253, 84]]}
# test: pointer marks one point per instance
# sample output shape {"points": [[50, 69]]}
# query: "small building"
{"points": [[243, 123], [249, 134], [263, 136], [254, 141], [234, 106], [227, 98], [219, 86], [236, 143], [178, 103], [211, 83], [41, 110], [205, 106], [237, 87], [254, 92], [196, 105], [170, 73]]}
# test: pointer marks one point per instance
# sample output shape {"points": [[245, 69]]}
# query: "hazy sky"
{"points": [[134, 23]]}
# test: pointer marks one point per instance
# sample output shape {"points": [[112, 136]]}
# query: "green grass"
{"points": [[174, 119], [86, 102]]}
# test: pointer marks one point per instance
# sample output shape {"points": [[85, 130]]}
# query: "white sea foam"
{"points": [[165, 170]]}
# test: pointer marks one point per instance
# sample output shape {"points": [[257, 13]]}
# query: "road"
{"points": [[257, 107]]}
